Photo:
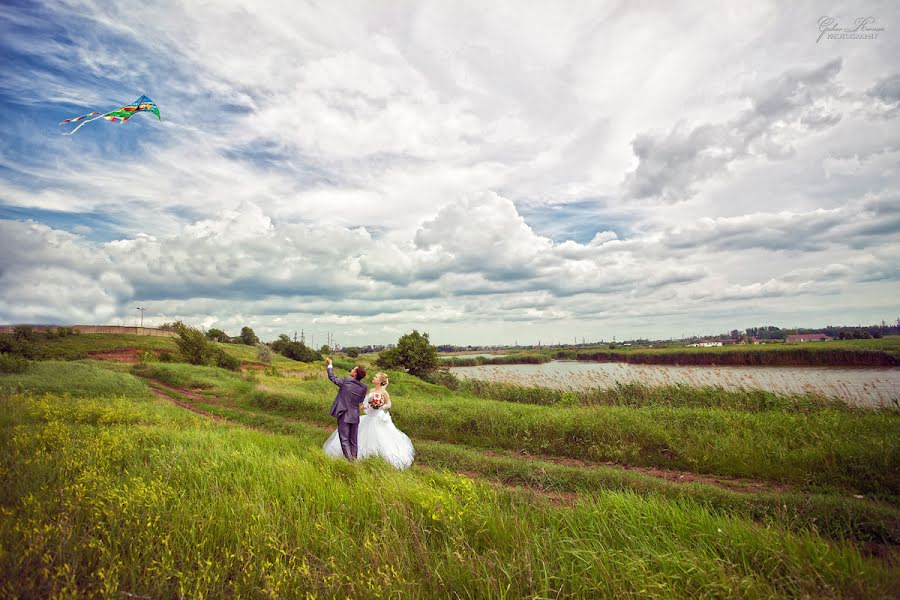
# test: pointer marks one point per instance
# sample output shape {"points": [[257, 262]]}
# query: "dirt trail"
{"points": [[161, 394], [673, 475], [733, 484], [124, 355]]}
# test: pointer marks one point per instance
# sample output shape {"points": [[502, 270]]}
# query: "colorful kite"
{"points": [[120, 115]]}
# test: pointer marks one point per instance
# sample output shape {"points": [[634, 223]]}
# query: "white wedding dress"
{"points": [[377, 436]]}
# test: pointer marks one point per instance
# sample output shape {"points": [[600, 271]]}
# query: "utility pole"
{"points": [[302, 337], [295, 336], [142, 315]]}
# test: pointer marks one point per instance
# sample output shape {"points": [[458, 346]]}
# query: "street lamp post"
{"points": [[142, 315]]}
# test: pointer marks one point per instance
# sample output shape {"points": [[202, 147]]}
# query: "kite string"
{"points": [[83, 123]]}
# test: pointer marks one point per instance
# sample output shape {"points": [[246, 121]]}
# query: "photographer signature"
{"points": [[862, 26]]}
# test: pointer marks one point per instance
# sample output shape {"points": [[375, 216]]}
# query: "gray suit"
{"points": [[346, 408]]}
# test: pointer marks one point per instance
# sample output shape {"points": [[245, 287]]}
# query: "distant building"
{"points": [[705, 344], [807, 337]]}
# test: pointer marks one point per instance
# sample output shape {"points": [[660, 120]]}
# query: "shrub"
{"points": [[272, 372], [193, 346], [64, 331], [146, 356], [23, 332], [13, 363], [443, 377], [300, 352], [10, 344], [167, 357], [264, 353], [226, 361], [352, 352]]}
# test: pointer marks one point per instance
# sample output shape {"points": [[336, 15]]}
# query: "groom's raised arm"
{"points": [[330, 369]]}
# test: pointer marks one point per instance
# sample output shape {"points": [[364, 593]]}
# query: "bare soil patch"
{"points": [[123, 355]]}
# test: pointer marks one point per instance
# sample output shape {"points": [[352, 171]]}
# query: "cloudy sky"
{"points": [[478, 170]]}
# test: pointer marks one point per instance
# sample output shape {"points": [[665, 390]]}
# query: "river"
{"points": [[869, 387]]}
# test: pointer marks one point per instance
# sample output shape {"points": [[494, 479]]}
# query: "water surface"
{"points": [[870, 387]]}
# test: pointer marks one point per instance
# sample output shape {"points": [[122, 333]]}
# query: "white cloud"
{"points": [[469, 165]]}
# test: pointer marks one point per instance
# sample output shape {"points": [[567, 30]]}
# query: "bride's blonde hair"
{"points": [[383, 377]]}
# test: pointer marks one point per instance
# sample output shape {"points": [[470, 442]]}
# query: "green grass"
{"points": [[851, 450], [79, 346], [80, 378], [822, 448], [833, 515], [212, 379], [248, 354], [112, 496]]}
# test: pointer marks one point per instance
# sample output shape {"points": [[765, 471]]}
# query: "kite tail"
{"points": [[82, 124]]}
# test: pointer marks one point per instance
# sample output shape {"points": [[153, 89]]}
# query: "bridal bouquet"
{"points": [[377, 400]]}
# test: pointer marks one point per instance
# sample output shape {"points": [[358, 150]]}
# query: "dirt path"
{"points": [[161, 394], [124, 355], [672, 475]]}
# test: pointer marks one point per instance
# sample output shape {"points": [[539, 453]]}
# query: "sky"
{"points": [[487, 172]]}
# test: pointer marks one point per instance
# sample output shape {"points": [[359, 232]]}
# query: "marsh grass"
{"points": [[874, 352], [637, 395], [103, 497]]}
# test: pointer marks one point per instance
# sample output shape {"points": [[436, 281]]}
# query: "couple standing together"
{"points": [[372, 434]]}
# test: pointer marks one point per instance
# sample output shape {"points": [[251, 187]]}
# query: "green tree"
{"points": [[248, 337], [192, 344], [197, 350], [413, 352], [325, 349], [351, 352], [281, 343], [217, 335]]}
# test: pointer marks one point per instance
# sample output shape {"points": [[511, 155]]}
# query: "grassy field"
{"points": [[80, 346], [106, 489], [874, 352], [822, 447]]}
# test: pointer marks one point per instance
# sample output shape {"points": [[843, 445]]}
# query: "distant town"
{"points": [[768, 334]]}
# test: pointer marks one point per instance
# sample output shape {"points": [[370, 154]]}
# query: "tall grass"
{"points": [[510, 359], [861, 353], [853, 450], [805, 355], [108, 498], [824, 447], [637, 395], [81, 378], [832, 515]]}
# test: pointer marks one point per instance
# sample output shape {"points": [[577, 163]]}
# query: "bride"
{"points": [[377, 434]]}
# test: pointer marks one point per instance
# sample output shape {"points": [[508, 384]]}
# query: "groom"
{"points": [[346, 406]]}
